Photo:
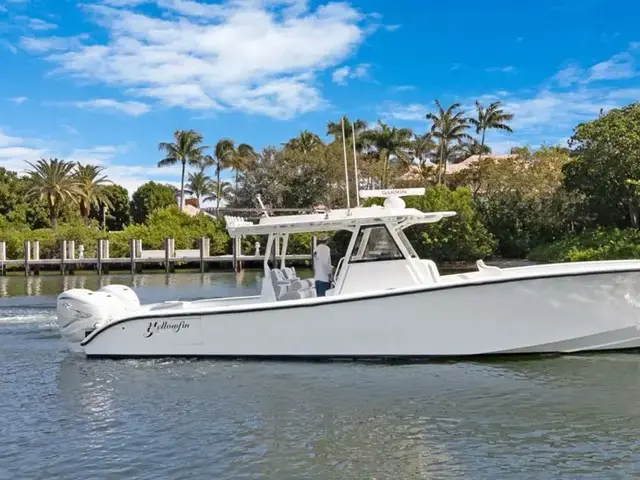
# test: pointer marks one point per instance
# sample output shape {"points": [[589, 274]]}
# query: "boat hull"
{"points": [[551, 314]]}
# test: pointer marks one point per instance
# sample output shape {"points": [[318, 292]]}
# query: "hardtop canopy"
{"points": [[332, 220]]}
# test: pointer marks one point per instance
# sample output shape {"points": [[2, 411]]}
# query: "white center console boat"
{"points": [[385, 302]]}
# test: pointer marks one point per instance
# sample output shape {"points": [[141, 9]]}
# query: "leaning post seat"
{"points": [[280, 283], [290, 274]]}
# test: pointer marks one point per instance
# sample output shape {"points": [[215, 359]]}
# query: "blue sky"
{"points": [[103, 81]]}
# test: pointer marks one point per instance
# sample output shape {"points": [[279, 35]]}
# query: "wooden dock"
{"points": [[72, 259]]}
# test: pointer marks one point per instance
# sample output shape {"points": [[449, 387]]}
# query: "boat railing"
{"points": [[338, 271]]}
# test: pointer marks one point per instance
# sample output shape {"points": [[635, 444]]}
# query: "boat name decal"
{"points": [[164, 326]]}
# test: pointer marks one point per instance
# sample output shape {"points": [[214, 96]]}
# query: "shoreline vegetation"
{"points": [[548, 204]]}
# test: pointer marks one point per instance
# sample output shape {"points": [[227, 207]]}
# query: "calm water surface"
{"points": [[62, 416]]}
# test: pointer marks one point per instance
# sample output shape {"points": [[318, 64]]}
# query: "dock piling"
{"points": [[27, 257], [132, 249], [99, 255], [167, 255], [3, 257], [204, 252], [63, 256]]}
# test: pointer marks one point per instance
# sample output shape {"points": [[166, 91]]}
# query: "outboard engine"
{"points": [[80, 311]]}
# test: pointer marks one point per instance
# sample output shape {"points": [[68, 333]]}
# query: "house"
{"points": [[414, 172]]}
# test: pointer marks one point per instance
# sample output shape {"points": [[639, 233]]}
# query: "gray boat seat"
{"points": [[293, 295], [279, 282], [290, 274]]}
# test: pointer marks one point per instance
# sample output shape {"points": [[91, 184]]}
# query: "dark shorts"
{"points": [[321, 288]]}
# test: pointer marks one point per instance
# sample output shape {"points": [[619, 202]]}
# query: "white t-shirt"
{"points": [[322, 263]]}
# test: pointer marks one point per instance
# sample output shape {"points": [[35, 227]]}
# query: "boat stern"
{"points": [[79, 311]]}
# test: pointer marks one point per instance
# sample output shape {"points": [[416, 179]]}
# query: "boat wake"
{"points": [[26, 318]]}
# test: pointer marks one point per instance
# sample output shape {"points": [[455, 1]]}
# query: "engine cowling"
{"points": [[80, 311]]}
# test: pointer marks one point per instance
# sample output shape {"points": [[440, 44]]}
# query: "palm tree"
{"points": [[468, 148], [305, 142], [243, 158], [94, 189], [199, 185], [449, 126], [223, 152], [423, 148], [389, 142], [185, 149], [493, 117], [53, 181], [360, 126], [221, 190]]}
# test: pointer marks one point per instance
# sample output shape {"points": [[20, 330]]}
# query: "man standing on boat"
{"points": [[322, 267]]}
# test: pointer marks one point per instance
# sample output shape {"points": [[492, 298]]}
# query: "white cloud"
{"points": [[403, 88], [49, 44], [35, 23], [135, 109], [257, 56], [342, 74], [15, 150], [569, 75], [505, 69], [412, 112], [124, 3], [191, 95], [619, 66], [94, 155], [18, 100], [6, 140], [630, 94]]}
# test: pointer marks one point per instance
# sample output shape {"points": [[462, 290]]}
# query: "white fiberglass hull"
{"points": [[557, 310]]}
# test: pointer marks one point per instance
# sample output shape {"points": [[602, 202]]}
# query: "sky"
{"points": [[104, 81]]}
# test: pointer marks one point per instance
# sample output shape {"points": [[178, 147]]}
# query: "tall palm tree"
{"points": [[185, 149], [53, 181], [223, 152], [449, 126], [304, 142], [94, 189], [493, 117], [199, 184], [360, 126], [389, 142], [243, 158]]}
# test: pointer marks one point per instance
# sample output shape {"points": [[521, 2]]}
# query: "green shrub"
{"points": [[458, 238], [599, 244], [164, 223]]}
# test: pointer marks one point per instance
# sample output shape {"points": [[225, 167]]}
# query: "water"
{"points": [[67, 417]]}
